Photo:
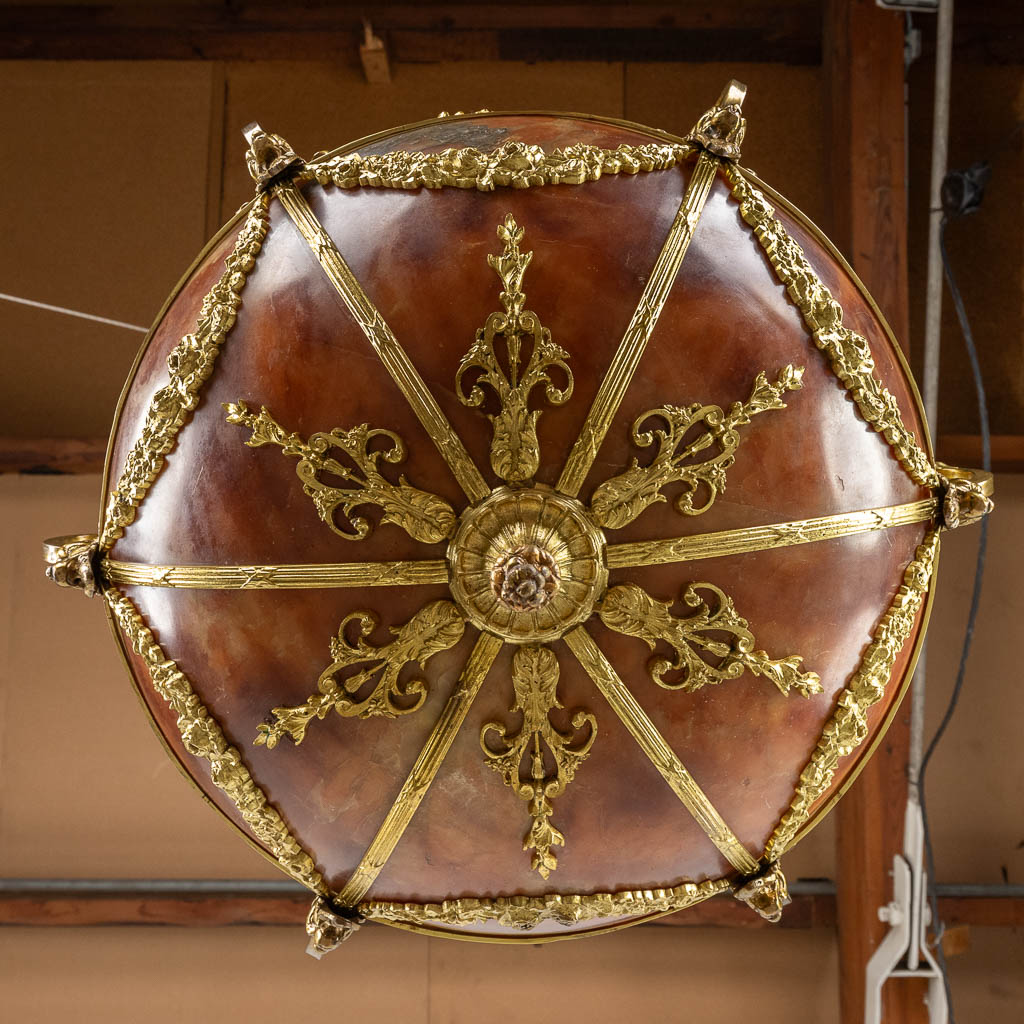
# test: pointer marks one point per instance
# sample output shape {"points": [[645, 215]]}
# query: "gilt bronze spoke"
{"points": [[633, 554], [653, 744], [384, 343], [645, 318], [423, 771]]}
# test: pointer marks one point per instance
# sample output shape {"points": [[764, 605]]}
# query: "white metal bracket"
{"points": [[904, 952]]}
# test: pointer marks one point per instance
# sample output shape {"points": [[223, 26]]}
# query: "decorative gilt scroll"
{"points": [[511, 165], [848, 352], [203, 737], [422, 515], [689, 433], [848, 726], [375, 690], [515, 452], [535, 680], [190, 365], [711, 645]]}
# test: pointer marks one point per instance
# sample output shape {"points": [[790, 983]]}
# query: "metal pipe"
{"points": [[932, 324], [246, 887]]}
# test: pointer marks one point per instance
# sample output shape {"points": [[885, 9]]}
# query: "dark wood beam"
{"points": [[52, 455], [965, 450], [745, 30], [863, 61], [71, 909]]}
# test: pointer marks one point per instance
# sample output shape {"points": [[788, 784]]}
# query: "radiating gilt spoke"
{"points": [[424, 516], [374, 690], [641, 326], [661, 755], [713, 644], [327, 575], [423, 771], [696, 446], [535, 681], [515, 452], [633, 554], [380, 336]]}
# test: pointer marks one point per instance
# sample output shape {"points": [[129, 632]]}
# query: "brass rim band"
{"points": [[653, 744], [640, 329], [417, 573], [384, 343], [423, 771]]}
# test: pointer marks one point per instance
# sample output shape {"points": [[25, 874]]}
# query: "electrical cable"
{"points": [[962, 193], [71, 312]]}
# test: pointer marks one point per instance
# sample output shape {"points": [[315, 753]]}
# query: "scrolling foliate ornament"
{"points": [[535, 680], [848, 352], [190, 365], [424, 516], [526, 912], [622, 498], [375, 690], [848, 726], [714, 631], [515, 451], [203, 737]]}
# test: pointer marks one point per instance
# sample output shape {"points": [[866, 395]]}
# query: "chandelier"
{"points": [[493, 569]]}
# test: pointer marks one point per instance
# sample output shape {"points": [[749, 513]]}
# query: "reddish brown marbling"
{"points": [[422, 258]]}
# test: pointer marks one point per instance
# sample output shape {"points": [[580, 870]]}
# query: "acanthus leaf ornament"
{"points": [[328, 927], [766, 893], [535, 681], [721, 129], [515, 451], [966, 496], [622, 498], [714, 631], [424, 516], [435, 627], [70, 562]]}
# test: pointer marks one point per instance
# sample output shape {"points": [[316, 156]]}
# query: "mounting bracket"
{"points": [[904, 952]]}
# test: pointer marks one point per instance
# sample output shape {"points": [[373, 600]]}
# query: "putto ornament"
{"points": [[507, 617]]}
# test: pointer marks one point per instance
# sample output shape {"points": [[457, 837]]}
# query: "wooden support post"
{"points": [[863, 60]]}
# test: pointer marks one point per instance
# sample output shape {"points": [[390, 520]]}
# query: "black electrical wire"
{"points": [[962, 196]]}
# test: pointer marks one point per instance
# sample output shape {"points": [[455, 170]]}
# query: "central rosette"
{"points": [[527, 564], [527, 578]]}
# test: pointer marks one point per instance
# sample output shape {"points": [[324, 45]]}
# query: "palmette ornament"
{"points": [[520, 526]]}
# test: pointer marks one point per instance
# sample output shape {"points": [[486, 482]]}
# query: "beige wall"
{"points": [[135, 165]]}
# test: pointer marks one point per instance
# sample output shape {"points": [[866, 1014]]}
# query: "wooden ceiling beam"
{"points": [[213, 909], [741, 31]]}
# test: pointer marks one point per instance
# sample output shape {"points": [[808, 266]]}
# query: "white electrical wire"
{"points": [[73, 312]]}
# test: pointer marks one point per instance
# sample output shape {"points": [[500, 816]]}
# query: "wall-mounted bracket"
{"points": [[904, 952]]}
